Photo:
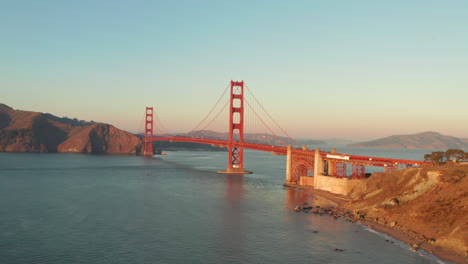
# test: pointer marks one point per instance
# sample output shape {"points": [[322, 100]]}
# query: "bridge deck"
{"points": [[280, 150]]}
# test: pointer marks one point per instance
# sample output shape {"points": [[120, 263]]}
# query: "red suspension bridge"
{"points": [[245, 128]]}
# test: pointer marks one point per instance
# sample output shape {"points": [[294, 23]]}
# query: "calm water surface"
{"points": [[72, 208]]}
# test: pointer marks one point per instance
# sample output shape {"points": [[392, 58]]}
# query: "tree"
{"points": [[437, 157], [427, 157], [465, 158], [454, 154]]}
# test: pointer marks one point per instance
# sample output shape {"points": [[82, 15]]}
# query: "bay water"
{"points": [[76, 208]]}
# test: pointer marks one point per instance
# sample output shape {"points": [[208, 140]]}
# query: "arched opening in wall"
{"points": [[301, 169]]}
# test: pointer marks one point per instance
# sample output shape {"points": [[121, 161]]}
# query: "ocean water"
{"points": [[74, 208]]}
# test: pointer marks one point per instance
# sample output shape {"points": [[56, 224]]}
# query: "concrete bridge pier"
{"points": [[319, 166], [289, 165], [299, 163]]}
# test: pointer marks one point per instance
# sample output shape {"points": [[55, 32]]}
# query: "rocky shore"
{"points": [[427, 210]]}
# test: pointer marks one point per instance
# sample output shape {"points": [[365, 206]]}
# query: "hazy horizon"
{"points": [[346, 139]]}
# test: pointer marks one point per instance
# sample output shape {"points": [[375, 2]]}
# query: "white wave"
{"points": [[401, 244]]}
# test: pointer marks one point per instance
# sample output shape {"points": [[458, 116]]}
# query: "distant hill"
{"points": [[258, 138], [338, 141], [424, 140], [26, 131]]}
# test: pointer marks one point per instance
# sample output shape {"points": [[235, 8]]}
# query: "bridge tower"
{"points": [[148, 144], [236, 130]]}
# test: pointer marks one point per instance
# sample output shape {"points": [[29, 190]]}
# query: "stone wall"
{"points": [[335, 185], [306, 181]]}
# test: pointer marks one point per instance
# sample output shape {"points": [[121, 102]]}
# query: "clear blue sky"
{"points": [[353, 69]]}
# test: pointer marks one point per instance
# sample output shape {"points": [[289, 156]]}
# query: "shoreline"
{"points": [[339, 201], [406, 238]]}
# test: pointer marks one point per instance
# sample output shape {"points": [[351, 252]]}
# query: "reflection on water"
{"points": [[295, 197], [231, 235]]}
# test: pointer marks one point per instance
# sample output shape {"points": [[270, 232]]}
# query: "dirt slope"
{"points": [[430, 204]]}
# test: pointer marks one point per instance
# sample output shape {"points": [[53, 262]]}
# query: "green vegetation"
{"points": [[441, 157], [9, 137], [45, 135], [70, 121], [4, 120]]}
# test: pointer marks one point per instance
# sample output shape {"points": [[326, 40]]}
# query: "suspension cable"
{"points": [[159, 124], [261, 106], [225, 90], [216, 116], [261, 119]]}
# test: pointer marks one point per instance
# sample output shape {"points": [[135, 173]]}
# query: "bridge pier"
{"points": [[240, 171], [319, 165], [289, 165], [302, 165]]}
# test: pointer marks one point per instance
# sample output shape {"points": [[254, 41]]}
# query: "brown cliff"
{"points": [[428, 205], [101, 138], [26, 131]]}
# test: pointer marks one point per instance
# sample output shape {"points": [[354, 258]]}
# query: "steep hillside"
{"points": [[101, 138], [429, 204], [26, 131], [425, 140]]}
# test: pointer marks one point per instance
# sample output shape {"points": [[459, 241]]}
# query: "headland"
{"points": [[425, 207]]}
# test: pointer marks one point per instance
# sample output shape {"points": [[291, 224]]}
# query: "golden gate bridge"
{"points": [[300, 160]]}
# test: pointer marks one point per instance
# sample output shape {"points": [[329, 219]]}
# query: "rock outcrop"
{"points": [[429, 204], [26, 131]]}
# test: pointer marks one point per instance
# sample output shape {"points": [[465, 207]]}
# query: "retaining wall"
{"points": [[331, 184]]}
